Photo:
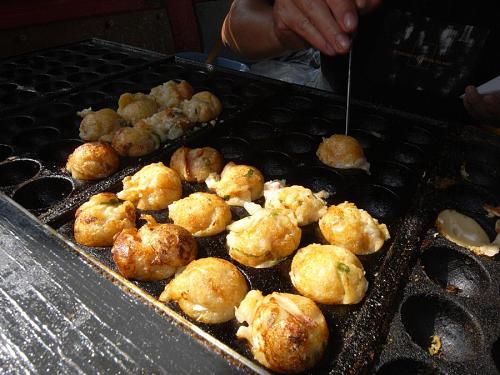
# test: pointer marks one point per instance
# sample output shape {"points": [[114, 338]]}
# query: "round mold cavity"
{"points": [[418, 136], [119, 87], [7, 74], [274, 165], [231, 102], [43, 192], [90, 63], [7, 88], [26, 95], [83, 77], [379, 201], [53, 86], [133, 61], [298, 103], [482, 174], [232, 148], [281, 118], [321, 178], [16, 123], [87, 98], [393, 175], [365, 138], [373, 123], [298, 144], [58, 152], [63, 70], [256, 131], [469, 198], [72, 57], [482, 153], [153, 78], [319, 127], [35, 137], [224, 84], [18, 171], [457, 273], [5, 152], [495, 352], [407, 367], [426, 316], [54, 110], [405, 153], [332, 112], [254, 90], [40, 78], [198, 77]]}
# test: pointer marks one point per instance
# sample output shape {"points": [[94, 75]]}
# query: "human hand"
{"points": [[485, 109], [323, 24]]}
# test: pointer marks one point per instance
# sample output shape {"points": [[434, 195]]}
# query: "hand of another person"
{"points": [[323, 24], [485, 109]]}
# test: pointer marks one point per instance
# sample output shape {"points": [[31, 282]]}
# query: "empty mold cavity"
{"points": [[495, 352], [332, 112], [53, 86], [231, 102], [7, 88], [319, 127], [58, 152], [320, 178], [427, 316], [43, 192], [133, 61], [256, 131], [72, 57], [281, 118], [407, 367], [380, 202], [35, 137], [90, 63], [64, 70], [298, 103], [54, 110], [25, 95], [17, 171], [119, 87], [418, 135], [224, 84], [88, 99], [298, 144], [405, 153], [198, 77], [375, 124], [457, 273], [232, 148], [5, 152], [149, 77], [16, 123], [468, 198], [254, 90], [481, 174], [7, 74], [393, 175], [482, 153], [83, 77], [274, 165]]}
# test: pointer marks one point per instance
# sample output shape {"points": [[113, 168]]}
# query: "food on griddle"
{"points": [[328, 274], [342, 151], [466, 232], [352, 228], [194, 165], [99, 125], [166, 125], [435, 345], [93, 161], [171, 94], [135, 107], [208, 290], [99, 219], [202, 214], [202, 107], [287, 333], [237, 183], [154, 187], [264, 238], [154, 252], [307, 206], [135, 142]]}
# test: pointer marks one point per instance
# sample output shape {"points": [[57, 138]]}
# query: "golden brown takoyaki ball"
{"points": [[100, 125], [237, 184], [154, 187], [328, 274], [135, 142], [202, 214], [171, 94], [154, 252], [354, 229], [208, 290], [307, 206], [93, 161], [167, 124], [134, 107], [99, 219], [287, 333], [264, 238], [202, 107], [342, 151], [194, 165]]}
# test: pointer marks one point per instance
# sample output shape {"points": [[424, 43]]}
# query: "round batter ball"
{"points": [[307, 206], [354, 229], [171, 94], [154, 187], [135, 142], [208, 290], [202, 107], [287, 333], [342, 151], [328, 274], [202, 214], [99, 219], [100, 125], [134, 107], [237, 184], [264, 238], [195, 165], [154, 252], [93, 161]]}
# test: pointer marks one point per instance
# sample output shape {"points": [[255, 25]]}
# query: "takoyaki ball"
{"points": [[100, 125], [167, 125], [171, 94], [342, 151], [202, 107], [135, 142], [134, 107], [328, 274], [237, 184], [99, 219], [93, 161], [154, 252], [208, 290], [354, 229], [195, 165], [154, 187], [202, 214], [308, 207], [264, 238], [287, 333]]}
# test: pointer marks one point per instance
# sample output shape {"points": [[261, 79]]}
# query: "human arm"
{"points": [[484, 109]]}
